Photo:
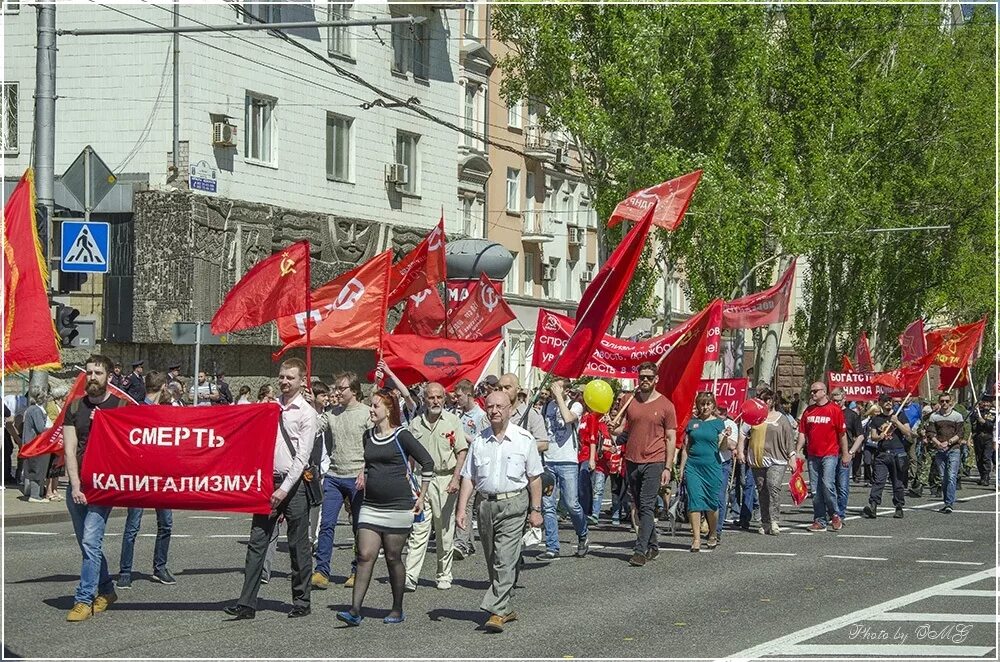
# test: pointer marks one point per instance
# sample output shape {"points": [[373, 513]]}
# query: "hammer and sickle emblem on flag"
{"points": [[419, 297], [551, 324], [287, 265], [489, 298], [436, 238], [349, 296]]}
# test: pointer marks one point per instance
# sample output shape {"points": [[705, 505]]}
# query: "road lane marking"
{"points": [[229, 535], [854, 558], [887, 650], [952, 562], [932, 504], [976, 512], [858, 535], [209, 517], [944, 540], [31, 533], [948, 618], [970, 593], [790, 643], [767, 553]]}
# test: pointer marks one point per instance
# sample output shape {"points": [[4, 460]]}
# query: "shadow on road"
{"points": [[457, 615], [66, 602], [49, 578]]}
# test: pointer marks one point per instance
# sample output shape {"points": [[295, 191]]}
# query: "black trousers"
{"points": [[983, 445], [889, 466], [644, 480], [295, 508]]}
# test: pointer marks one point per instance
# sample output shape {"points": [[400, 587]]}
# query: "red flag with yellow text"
{"points": [[273, 288], [421, 268], [670, 200], [955, 345], [29, 334]]}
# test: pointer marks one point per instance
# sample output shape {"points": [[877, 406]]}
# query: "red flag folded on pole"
{"points": [[797, 484], [416, 359], [51, 440], [423, 315], [845, 364], [421, 268], [680, 370], [275, 287], [670, 200], [601, 299], [482, 314], [912, 341], [29, 335], [863, 354], [349, 312], [905, 378], [761, 308]]}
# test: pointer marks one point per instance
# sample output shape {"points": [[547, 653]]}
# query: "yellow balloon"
{"points": [[599, 396]]}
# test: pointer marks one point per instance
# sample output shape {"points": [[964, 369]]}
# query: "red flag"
{"points": [[273, 288], [51, 440], [29, 335], [845, 364], [601, 299], [761, 308], [912, 341], [680, 370], [670, 200], [954, 346], [423, 315], [482, 314], [905, 378], [416, 359], [797, 484], [421, 268], [350, 310], [863, 354]]}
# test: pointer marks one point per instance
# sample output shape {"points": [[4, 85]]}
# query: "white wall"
{"points": [[109, 86]]}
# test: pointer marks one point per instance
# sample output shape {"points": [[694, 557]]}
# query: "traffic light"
{"points": [[66, 324]]}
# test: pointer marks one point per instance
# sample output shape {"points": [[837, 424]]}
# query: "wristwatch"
{"points": [[535, 509]]}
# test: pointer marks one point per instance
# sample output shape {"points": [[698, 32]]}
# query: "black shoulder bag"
{"points": [[310, 475]]}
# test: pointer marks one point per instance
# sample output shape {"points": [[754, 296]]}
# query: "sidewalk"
{"points": [[18, 512]]}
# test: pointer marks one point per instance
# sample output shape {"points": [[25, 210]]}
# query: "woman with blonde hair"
{"points": [[701, 468], [766, 448]]}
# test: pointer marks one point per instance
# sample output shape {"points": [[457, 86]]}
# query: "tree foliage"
{"points": [[813, 124]]}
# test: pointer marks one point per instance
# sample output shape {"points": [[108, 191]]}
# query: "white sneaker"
{"points": [[775, 529], [443, 586], [37, 500]]}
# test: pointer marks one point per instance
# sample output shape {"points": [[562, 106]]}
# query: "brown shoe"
{"points": [[494, 624], [510, 618], [103, 601], [638, 560], [79, 612], [319, 581], [349, 582]]}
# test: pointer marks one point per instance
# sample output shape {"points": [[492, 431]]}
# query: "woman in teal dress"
{"points": [[701, 468]]}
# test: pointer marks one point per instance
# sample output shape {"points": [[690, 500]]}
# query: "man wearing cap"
{"points": [[441, 433], [135, 383], [174, 375], [500, 464], [890, 429]]}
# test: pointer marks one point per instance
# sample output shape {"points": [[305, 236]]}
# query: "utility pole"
{"points": [[45, 133], [177, 94]]}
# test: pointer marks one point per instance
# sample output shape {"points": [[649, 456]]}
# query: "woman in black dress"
{"points": [[389, 504]]}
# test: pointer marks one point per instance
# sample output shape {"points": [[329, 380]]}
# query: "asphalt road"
{"points": [[797, 594]]}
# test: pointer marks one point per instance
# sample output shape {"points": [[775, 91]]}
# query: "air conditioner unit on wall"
{"points": [[588, 274], [223, 134], [397, 173], [575, 236], [548, 272]]}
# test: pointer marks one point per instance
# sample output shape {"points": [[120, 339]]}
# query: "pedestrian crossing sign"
{"points": [[85, 247]]}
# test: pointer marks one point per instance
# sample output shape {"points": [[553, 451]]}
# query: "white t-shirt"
{"points": [[564, 440], [733, 436]]}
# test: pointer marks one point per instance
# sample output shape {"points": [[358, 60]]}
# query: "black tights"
{"points": [[369, 542]]}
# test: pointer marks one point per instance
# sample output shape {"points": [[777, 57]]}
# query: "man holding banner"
{"points": [[292, 447], [96, 591]]}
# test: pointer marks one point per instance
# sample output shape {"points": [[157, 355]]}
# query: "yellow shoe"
{"points": [[79, 612], [104, 601], [349, 582], [320, 581]]}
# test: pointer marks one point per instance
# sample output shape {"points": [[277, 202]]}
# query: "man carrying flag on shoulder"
{"points": [[95, 592]]}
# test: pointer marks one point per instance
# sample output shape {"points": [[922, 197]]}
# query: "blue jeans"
{"points": [[949, 462], [164, 524], [727, 470], [843, 488], [597, 496], [89, 523], [336, 492], [566, 489], [585, 489], [748, 501], [823, 479]]}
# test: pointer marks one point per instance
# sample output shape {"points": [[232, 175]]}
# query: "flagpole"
{"points": [[955, 381], [308, 318], [659, 362]]}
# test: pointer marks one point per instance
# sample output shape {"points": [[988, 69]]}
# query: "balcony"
{"points": [[539, 144], [537, 228]]}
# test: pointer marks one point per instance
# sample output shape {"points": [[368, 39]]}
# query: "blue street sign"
{"points": [[85, 247]]}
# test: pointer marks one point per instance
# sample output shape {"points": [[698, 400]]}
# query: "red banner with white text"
{"points": [[729, 393], [186, 458], [856, 385], [769, 306]]}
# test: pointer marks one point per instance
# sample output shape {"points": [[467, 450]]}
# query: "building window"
{"points": [[513, 190], [529, 190], [340, 42], [407, 154], [338, 147], [529, 271], [467, 204], [512, 284], [11, 6], [259, 129], [8, 139], [514, 115], [266, 12], [469, 114], [470, 20], [410, 52]]}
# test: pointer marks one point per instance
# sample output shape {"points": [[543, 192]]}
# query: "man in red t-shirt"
{"points": [[822, 427]]}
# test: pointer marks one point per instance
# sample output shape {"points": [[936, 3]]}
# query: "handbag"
{"points": [[410, 478], [310, 475]]}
